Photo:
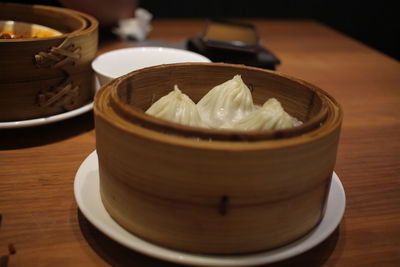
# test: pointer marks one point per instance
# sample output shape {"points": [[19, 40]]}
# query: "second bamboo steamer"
{"points": [[46, 76]]}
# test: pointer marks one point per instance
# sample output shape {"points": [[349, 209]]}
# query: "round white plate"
{"points": [[87, 195], [46, 120]]}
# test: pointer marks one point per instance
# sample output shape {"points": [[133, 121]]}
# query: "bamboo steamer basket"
{"points": [[228, 195], [46, 76]]}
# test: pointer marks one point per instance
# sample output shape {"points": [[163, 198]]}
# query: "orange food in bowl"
{"points": [[18, 30]]}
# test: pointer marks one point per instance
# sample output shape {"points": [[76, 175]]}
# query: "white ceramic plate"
{"points": [[46, 120], [87, 195]]}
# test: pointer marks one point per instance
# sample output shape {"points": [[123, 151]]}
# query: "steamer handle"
{"points": [[60, 57]]}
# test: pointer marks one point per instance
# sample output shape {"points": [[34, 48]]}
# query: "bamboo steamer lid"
{"points": [[214, 196], [46, 76]]}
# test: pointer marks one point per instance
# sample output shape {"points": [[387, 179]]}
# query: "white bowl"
{"points": [[116, 63]]}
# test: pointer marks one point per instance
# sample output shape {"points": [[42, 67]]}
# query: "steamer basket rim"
{"points": [[216, 144]]}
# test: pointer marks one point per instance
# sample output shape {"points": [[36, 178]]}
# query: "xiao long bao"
{"points": [[226, 106]]}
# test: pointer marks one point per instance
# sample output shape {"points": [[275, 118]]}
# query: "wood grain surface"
{"points": [[42, 226]]}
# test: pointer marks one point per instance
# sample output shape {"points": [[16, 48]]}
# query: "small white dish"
{"points": [[87, 195], [116, 63]]}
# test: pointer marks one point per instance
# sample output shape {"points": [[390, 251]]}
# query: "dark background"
{"points": [[375, 23]]}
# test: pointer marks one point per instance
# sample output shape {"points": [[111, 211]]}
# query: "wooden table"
{"points": [[41, 221]]}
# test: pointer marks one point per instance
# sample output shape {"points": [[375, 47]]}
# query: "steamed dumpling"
{"points": [[226, 106], [176, 107], [271, 116], [228, 102]]}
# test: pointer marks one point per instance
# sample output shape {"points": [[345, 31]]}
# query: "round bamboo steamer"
{"points": [[202, 195], [52, 75]]}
